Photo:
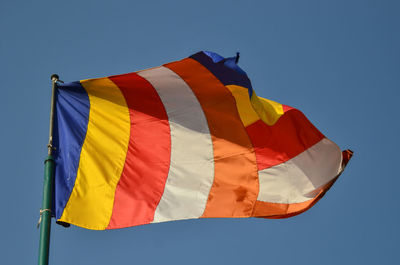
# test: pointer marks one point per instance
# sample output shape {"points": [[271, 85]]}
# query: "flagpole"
{"points": [[45, 211]]}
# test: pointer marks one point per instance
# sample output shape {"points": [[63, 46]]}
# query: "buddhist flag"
{"points": [[189, 139]]}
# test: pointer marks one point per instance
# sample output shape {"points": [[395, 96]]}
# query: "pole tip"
{"points": [[54, 76], [237, 57]]}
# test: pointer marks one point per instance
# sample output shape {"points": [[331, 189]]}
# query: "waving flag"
{"points": [[189, 139]]}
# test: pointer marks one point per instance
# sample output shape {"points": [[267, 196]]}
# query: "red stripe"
{"points": [[292, 134], [286, 108], [146, 167]]}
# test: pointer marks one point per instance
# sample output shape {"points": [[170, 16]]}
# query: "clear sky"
{"points": [[337, 61]]}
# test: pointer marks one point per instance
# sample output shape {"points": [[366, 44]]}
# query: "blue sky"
{"points": [[337, 61]]}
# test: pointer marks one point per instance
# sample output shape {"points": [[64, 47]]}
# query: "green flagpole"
{"points": [[45, 211]]}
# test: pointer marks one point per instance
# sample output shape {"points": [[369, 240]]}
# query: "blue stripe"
{"points": [[70, 125], [225, 69]]}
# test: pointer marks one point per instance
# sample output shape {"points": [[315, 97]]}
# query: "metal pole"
{"points": [[54, 80], [45, 212]]}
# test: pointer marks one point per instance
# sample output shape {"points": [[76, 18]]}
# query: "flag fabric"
{"points": [[189, 139]]}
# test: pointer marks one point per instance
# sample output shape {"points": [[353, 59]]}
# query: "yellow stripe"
{"points": [[269, 111], [243, 104], [102, 157], [251, 110]]}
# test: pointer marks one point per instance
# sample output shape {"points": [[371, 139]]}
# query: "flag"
{"points": [[189, 139]]}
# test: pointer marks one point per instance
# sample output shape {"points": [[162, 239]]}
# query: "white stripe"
{"points": [[191, 171], [301, 178]]}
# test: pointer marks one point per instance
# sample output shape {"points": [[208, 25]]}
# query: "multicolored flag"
{"points": [[189, 139]]}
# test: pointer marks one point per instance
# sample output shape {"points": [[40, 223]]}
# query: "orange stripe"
{"points": [[235, 188], [283, 210]]}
